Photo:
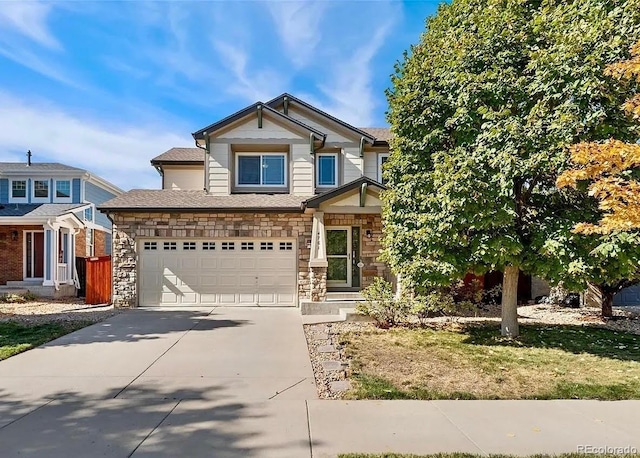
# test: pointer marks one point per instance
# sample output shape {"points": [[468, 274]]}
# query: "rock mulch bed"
{"points": [[46, 311], [331, 367]]}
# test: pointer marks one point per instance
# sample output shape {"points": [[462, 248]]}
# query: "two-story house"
{"points": [[277, 204], [48, 217]]}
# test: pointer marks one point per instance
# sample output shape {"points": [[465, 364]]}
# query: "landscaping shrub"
{"points": [[381, 304]]}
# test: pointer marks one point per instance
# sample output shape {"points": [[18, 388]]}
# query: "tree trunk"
{"points": [[607, 303], [510, 301]]}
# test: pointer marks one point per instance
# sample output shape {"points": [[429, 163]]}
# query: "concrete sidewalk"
{"points": [[238, 383]]}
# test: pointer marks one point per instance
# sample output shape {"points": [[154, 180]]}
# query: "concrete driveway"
{"points": [[159, 382]]}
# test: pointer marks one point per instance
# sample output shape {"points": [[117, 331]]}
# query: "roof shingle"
{"points": [[37, 210], [169, 199], [12, 167], [180, 154], [382, 134]]}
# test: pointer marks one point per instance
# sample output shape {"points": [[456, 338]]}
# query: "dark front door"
{"points": [[38, 254]]}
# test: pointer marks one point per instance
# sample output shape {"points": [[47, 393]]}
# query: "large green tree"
{"points": [[482, 110]]}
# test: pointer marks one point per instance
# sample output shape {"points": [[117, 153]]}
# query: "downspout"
{"points": [[207, 152]]}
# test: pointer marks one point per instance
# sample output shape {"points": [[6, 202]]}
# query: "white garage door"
{"points": [[217, 272]]}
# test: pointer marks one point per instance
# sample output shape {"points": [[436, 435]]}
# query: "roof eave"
{"points": [[297, 209]]}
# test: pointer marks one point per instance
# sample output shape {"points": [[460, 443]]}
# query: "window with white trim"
{"points": [[41, 190], [326, 169], [382, 159], [88, 214], [18, 190], [90, 242], [62, 191], [261, 169]]}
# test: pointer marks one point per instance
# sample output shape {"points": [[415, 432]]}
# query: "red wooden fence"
{"points": [[98, 280]]}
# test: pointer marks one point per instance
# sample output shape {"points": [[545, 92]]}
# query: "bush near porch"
{"points": [[472, 361]]}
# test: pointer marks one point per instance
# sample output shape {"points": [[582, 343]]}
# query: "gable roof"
{"points": [[314, 202], [12, 167], [37, 210], [252, 109], [180, 155], [149, 200], [279, 101], [382, 134]]}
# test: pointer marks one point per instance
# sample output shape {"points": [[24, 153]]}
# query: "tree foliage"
{"points": [[483, 109], [612, 168]]}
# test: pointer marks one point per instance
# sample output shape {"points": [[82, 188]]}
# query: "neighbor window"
{"points": [[382, 160], [267, 169], [19, 189], [88, 214], [63, 189], [327, 169], [41, 189]]}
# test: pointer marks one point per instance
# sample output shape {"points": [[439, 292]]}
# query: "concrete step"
{"points": [[350, 314], [344, 296], [24, 283], [9, 290], [324, 308]]}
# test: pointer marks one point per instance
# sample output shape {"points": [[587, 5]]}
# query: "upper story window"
{"points": [[19, 190], [40, 190], [261, 169], [327, 169], [88, 214], [63, 191], [382, 159]]}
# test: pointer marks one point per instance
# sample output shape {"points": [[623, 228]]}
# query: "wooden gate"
{"points": [[98, 280]]}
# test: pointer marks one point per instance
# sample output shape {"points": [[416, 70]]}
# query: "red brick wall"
{"points": [[99, 243], [81, 243], [12, 253]]}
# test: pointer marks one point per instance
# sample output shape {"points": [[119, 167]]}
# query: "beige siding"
{"points": [[371, 165], [302, 182], [332, 136], [250, 130], [219, 176], [353, 164], [183, 178]]}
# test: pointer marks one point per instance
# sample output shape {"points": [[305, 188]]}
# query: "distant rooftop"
{"points": [[9, 167], [37, 210]]}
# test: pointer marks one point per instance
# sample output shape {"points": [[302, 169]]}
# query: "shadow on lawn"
{"points": [[570, 338], [191, 422]]}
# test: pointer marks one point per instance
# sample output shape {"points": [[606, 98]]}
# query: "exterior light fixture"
{"points": [[368, 234], [14, 235]]}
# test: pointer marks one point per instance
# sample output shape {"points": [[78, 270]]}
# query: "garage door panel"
{"points": [[201, 272]]}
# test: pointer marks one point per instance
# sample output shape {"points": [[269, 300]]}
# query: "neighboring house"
{"points": [[278, 204], [47, 218]]}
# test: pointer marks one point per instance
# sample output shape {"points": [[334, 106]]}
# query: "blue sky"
{"points": [[108, 85]]}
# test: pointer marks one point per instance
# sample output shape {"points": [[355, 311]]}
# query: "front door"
{"points": [[34, 256], [339, 257]]}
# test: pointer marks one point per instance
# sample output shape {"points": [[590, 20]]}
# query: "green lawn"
{"points": [[475, 362], [471, 455], [17, 337]]}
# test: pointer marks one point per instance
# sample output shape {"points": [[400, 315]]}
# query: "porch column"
{"points": [[50, 255], [71, 267], [318, 260]]}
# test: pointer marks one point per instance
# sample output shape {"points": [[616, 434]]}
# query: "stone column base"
{"points": [[318, 283]]}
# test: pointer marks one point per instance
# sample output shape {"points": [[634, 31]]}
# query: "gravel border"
{"points": [[43, 311], [321, 336]]}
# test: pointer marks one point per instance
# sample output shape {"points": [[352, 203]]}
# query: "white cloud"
{"points": [[298, 26], [29, 18], [118, 153], [251, 85], [349, 89]]}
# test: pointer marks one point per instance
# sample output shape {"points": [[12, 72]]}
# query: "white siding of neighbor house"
{"points": [[302, 180], [219, 173], [250, 130], [332, 136], [353, 164], [184, 177]]}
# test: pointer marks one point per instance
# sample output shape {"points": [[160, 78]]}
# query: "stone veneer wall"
{"points": [[129, 226], [370, 248]]}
